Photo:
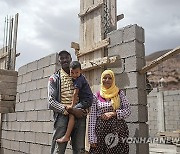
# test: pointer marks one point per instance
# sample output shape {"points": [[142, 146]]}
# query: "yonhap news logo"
{"points": [[155, 140], [112, 140]]}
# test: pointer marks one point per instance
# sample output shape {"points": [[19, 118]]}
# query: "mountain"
{"points": [[167, 73]]}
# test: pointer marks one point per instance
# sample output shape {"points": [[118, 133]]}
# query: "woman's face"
{"points": [[107, 81]]}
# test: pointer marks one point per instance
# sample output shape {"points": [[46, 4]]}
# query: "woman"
{"points": [[107, 127]]}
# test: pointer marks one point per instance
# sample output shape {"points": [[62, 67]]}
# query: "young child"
{"points": [[82, 91]]}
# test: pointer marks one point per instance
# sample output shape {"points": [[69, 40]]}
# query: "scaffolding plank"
{"points": [[91, 8], [160, 60], [99, 62], [96, 46]]}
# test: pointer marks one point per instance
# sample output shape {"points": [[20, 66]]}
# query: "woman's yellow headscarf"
{"points": [[112, 92]]}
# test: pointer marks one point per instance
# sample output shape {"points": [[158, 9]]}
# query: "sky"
{"points": [[47, 26]]}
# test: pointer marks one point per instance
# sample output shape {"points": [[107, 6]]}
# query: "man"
{"points": [[60, 90]]}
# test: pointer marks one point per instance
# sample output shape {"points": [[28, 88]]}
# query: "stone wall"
{"points": [[171, 103], [29, 129], [128, 43]]}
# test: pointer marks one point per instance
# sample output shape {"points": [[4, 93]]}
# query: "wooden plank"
{"points": [[8, 72], [75, 45], [3, 55], [113, 14], [99, 62], [160, 60], [120, 17], [96, 46], [13, 52], [91, 8]]}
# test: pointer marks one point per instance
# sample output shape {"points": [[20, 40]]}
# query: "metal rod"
{"points": [[13, 61]]}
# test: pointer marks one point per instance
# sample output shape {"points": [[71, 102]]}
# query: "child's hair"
{"points": [[75, 64]]}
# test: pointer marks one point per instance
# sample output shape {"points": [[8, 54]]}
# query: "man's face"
{"points": [[65, 60], [75, 73]]}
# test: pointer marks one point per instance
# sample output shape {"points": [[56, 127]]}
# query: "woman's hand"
{"points": [[108, 115], [93, 145]]}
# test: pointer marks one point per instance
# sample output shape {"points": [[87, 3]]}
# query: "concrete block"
{"points": [[4, 151], [11, 117], [15, 145], [128, 49], [29, 105], [139, 113], [7, 125], [36, 148], [41, 104], [27, 77], [48, 71], [15, 126], [11, 135], [130, 80], [19, 80], [30, 137], [133, 32], [24, 147], [32, 66], [19, 136], [42, 83], [134, 63], [176, 98], [19, 107], [168, 99], [44, 115], [4, 134], [22, 70], [138, 130], [136, 96], [17, 98], [21, 88], [139, 149], [21, 116], [118, 67], [172, 92], [31, 86], [42, 138], [50, 138], [115, 37], [48, 127], [36, 126], [25, 126], [54, 58], [5, 144], [44, 93], [46, 149], [44, 62], [31, 116], [34, 95], [37, 74], [51, 115]]}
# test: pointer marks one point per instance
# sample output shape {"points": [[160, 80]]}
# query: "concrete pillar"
{"points": [[160, 112]]}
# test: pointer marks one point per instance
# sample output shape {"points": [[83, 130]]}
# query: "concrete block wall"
{"points": [[128, 43], [29, 129], [171, 101]]}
